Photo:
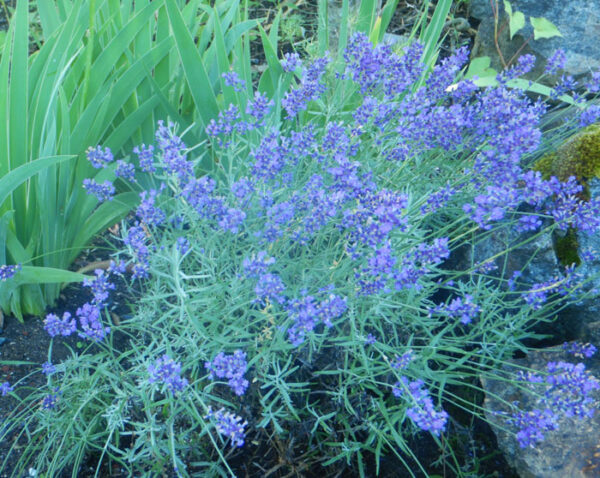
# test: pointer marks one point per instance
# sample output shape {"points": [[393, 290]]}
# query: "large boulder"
{"points": [[577, 20], [587, 311], [572, 451]]}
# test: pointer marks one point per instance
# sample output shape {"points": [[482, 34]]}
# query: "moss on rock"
{"points": [[579, 156], [566, 248]]}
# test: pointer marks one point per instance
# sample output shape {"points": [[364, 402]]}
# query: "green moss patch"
{"points": [[566, 248], [579, 156]]}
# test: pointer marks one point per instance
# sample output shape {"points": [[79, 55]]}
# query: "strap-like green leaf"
{"points": [[223, 62], [323, 27], [125, 85], [17, 176], [48, 16], [18, 104], [386, 16], [105, 62], [46, 275], [366, 16], [343, 39], [433, 32], [106, 215], [193, 68], [270, 77]]}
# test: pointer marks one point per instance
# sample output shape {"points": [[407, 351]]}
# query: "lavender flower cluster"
{"points": [[6, 388], [577, 349], [103, 192], [89, 314], [167, 372], [567, 390], [229, 425], [50, 401], [461, 308], [305, 313], [8, 272], [422, 410], [299, 192], [311, 86], [232, 367]]}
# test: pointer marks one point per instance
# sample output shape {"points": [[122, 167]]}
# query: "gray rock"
{"points": [[572, 451], [538, 262], [591, 243], [587, 311], [536, 258], [577, 20]]}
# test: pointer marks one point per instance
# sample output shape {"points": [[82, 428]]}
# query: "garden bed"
{"points": [[335, 267]]}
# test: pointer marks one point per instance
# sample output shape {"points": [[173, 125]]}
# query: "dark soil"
{"points": [[29, 342]]}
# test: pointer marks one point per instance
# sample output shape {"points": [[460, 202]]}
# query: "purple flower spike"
{"points": [[532, 426], [371, 339], [48, 368], [166, 371], [125, 170], [99, 157], [232, 79], [7, 272], [259, 108], [229, 425], [232, 367], [183, 245], [103, 192], [100, 286], [593, 85], [6, 388], [146, 157], [173, 152], [57, 326], [136, 240], [270, 287], [147, 212], [556, 62], [460, 308], [400, 363], [118, 267], [291, 62], [91, 325], [311, 88], [580, 350], [589, 116], [257, 265], [49, 402], [422, 412]]}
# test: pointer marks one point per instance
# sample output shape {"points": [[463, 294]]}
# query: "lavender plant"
{"points": [[321, 286]]}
